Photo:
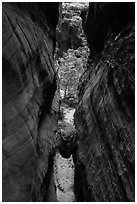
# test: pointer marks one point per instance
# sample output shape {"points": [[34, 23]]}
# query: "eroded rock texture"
{"points": [[29, 100], [70, 32], [104, 118]]}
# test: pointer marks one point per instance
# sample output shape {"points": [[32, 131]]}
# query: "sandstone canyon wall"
{"points": [[105, 115], [30, 105]]}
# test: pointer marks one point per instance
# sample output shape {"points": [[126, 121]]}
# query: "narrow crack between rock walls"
{"points": [[64, 167], [70, 63]]}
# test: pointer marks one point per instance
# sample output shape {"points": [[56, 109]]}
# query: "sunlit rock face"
{"points": [[105, 115], [69, 32], [29, 101]]}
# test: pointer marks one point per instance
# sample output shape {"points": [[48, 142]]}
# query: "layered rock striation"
{"points": [[105, 116], [30, 105]]}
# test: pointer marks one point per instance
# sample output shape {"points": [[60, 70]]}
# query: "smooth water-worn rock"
{"points": [[105, 116], [29, 99]]}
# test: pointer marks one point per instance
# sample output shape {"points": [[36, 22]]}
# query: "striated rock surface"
{"points": [[105, 116], [29, 100]]}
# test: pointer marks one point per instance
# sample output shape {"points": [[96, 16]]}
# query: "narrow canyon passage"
{"points": [[64, 167], [68, 102]]}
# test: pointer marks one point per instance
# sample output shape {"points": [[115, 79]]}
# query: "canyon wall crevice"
{"points": [[105, 116], [30, 100]]}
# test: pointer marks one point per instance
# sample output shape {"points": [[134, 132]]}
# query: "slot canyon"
{"points": [[68, 102]]}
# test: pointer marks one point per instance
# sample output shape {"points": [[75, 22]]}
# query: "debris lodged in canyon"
{"points": [[63, 161]]}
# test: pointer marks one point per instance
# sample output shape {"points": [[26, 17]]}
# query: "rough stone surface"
{"points": [[29, 85], [105, 118], [70, 32], [68, 139]]}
